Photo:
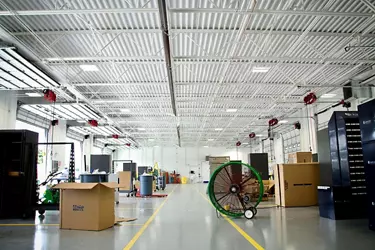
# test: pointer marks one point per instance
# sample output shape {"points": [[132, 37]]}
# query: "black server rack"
{"points": [[259, 161], [366, 114], [345, 197], [18, 173]]}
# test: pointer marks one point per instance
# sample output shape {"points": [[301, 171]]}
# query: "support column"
{"points": [[88, 145], [309, 129], [8, 110], [57, 153]]}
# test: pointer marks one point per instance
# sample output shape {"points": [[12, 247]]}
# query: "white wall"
{"points": [[180, 159], [8, 110]]}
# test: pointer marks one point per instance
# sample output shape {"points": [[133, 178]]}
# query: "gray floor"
{"points": [[188, 221]]}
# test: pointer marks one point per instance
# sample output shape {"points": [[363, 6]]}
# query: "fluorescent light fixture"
{"points": [[260, 135], [260, 69], [210, 139], [328, 95], [245, 143], [205, 146], [141, 129], [231, 110], [81, 121], [88, 67], [218, 129], [34, 94], [125, 110], [283, 121], [156, 146], [151, 139]]}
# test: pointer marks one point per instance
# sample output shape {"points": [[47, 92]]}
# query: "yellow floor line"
{"points": [[21, 225], [134, 208], [148, 222], [240, 230]]}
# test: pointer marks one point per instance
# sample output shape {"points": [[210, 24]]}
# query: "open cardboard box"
{"points": [[87, 206]]}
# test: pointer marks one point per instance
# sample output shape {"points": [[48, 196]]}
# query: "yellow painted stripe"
{"points": [[25, 225], [133, 208], [21, 225], [240, 230], [148, 222]]}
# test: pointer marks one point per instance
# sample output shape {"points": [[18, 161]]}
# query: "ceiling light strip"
{"points": [[18, 70], [72, 108], [37, 111], [34, 71], [87, 109], [55, 110], [11, 79]]}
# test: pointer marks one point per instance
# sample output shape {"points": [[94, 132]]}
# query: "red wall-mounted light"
{"points": [[93, 123], [273, 122], [49, 95]]}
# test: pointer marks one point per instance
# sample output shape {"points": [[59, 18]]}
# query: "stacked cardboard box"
{"points": [[300, 157], [296, 184], [216, 161]]}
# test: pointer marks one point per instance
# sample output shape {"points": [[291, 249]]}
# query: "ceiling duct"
{"points": [[167, 50], [358, 87]]}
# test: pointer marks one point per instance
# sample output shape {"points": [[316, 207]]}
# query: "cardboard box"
{"points": [[300, 157], [296, 184], [87, 206], [218, 159], [125, 180]]}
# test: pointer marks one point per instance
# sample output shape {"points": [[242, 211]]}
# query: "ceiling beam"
{"points": [[225, 84], [270, 12], [177, 30], [181, 10], [209, 59], [195, 62], [190, 99]]}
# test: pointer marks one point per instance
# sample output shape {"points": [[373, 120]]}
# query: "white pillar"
{"points": [[57, 153], [8, 110], [309, 128], [279, 149], [88, 145]]}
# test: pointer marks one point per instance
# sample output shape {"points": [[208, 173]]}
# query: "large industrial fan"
{"points": [[235, 189]]}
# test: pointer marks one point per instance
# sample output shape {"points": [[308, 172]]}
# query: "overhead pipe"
{"points": [[335, 86], [179, 136], [167, 50]]}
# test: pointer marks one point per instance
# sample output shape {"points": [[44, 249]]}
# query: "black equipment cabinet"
{"points": [[130, 166], [100, 162], [344, 195], [366, 113], [18, 173], [259, 161]]}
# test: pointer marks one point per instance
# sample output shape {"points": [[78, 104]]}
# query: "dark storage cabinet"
{"points": [[100, 162], [259, 161], [130, 166], [18, 173], [344, 194], [366, 113]]}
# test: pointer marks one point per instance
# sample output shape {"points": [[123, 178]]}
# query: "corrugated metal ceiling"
{"points": [[301, 42]]}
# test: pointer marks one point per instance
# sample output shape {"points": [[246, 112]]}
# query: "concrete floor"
{"points": [[187, 221]]}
